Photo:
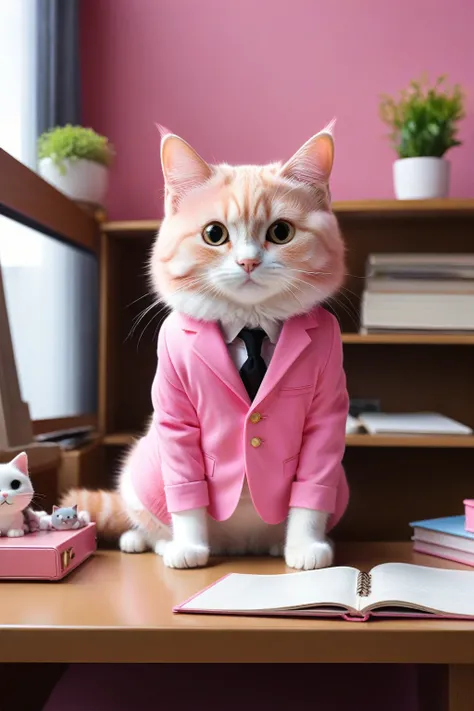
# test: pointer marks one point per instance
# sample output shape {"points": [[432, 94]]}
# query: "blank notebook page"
{"points": [[448, 591], [240, 592]]}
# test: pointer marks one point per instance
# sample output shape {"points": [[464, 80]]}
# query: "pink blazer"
{"points": [[206, 435]]}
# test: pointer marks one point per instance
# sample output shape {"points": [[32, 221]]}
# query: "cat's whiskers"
{"points": [[289, 289], [137, 320], [144, 296], [310, 273], [342, 294], [344, 308]]}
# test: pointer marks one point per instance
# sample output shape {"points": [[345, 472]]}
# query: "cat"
{"points": [[16, 494], [64, 519], [221, 224]]}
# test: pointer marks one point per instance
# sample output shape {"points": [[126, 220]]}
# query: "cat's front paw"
{"points": [[15, 533], [45, 523], [185, 555], [318, 554]]}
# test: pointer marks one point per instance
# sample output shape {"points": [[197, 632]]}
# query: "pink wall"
{"points": [[250, 80]]}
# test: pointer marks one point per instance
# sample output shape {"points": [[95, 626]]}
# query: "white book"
{"points": [[388, 590], [449, 312], [455, 266], [456, 259], [412, 423], [390, 285]]}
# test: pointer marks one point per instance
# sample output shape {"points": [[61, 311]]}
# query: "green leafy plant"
{"points": [[424, 118], [72, 143]]}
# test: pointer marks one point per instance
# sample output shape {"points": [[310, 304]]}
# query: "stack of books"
{"points": [[444, 538], [419, 292]]}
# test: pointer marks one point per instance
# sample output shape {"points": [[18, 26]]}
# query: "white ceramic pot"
{"points": [[421, 178], [83, 180]]}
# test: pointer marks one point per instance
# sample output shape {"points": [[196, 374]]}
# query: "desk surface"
{"points": [[117, 608]]}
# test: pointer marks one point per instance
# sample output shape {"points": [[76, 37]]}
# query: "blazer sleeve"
{"points": [[179, 437], [320, 462]]}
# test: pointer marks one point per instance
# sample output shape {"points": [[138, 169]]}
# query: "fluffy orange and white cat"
{"points": [[223, 223]]}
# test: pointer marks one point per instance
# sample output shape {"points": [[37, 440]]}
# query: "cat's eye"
{"points": [[15, 484], [215, 234], [281, 232]]}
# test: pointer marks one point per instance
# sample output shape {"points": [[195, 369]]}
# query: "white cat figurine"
{"points": [[16, 494]]}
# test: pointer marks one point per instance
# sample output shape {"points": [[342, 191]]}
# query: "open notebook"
{"points": [[389, 590]]}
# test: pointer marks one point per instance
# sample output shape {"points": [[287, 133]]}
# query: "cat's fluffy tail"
{"points": [[106, 508]]}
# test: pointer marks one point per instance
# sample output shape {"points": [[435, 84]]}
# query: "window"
{"points": [[50, 287]]}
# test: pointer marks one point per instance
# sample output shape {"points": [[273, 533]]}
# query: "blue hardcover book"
{"points": [[449, 525], [444, 538]]}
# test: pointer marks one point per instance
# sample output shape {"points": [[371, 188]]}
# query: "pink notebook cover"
{"points": [[304, 613], [46, 555]]}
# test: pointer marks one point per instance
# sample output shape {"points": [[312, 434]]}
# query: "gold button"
{"points": [[255, 417], [255, 441]]}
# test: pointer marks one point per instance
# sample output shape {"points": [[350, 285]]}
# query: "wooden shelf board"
{"points": [[451, 206], [121, 439], [433, 441], [130, 226], [442, 339]]}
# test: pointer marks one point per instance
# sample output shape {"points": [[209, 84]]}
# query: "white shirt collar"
{"points": [[232, 330]]}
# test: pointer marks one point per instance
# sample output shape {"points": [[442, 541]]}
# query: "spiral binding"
{"points": [[363, 584]]}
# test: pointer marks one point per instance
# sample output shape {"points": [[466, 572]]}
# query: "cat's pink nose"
{"points": [[248, 265], [5, 495]]}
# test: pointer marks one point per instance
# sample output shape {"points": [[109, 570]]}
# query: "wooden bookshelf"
{"points": [[393, 479]]}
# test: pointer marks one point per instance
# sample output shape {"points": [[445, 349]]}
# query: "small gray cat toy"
{"points": [[65, 519]]}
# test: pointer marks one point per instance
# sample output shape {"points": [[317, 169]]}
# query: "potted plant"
{"points": [[76, 160], [423, 122]]}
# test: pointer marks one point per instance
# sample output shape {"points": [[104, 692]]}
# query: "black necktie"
{"points": [[254, 368]]}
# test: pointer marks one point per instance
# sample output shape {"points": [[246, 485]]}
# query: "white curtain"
{"points": [[50, 288]]}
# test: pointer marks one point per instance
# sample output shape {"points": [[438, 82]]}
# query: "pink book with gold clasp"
{"points": [[46, 555]]}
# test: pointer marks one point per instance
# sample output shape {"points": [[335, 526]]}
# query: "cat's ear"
{"points": [[20, 462], [74, 508], [55, 508], [183, 168], [312, 164]]}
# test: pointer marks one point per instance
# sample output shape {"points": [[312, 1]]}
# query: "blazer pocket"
{"points": [[292, 392], [209, 465], [290, 466]]}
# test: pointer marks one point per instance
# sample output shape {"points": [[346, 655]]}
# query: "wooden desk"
{"points": [[117, 608]]}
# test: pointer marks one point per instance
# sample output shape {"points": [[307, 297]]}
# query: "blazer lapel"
{"points": [[209, 345], [294, 339]]}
